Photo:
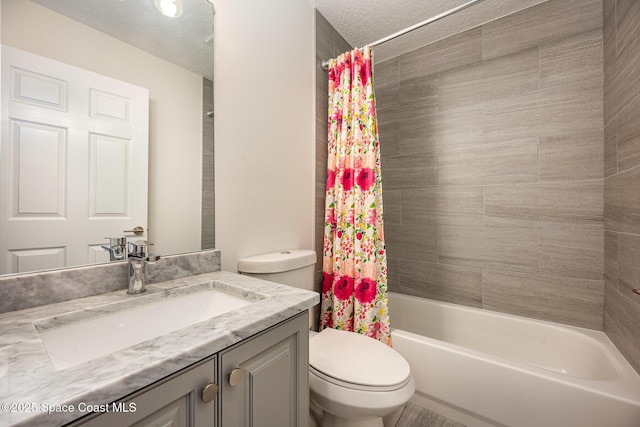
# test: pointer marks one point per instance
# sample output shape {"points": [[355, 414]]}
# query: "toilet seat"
{"points": [[353, 386], [357, 362]]}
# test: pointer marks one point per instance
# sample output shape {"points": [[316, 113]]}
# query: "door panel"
{"points": [[109, 176], [37, 259], [39, 158]]}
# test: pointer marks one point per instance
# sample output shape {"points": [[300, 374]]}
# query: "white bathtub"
{"points": [[483, 368]]}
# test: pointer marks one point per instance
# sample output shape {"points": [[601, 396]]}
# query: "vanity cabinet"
{"points": [[174, 401], [262, 381]]}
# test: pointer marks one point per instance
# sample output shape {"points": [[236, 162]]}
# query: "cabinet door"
{"points": [[174, 402], [270, 382]]}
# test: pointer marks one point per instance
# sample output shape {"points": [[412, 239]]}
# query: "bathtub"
{"points": [[483, 368]]}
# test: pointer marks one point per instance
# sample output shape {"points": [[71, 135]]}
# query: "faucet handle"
{"points": [[117, 241], [139, 248], [117, 248]]}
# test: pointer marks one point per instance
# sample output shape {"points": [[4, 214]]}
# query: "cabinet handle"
{"points": [[209, 392], [236, 376]]}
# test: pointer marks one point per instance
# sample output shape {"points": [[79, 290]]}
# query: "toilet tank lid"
{"points": [[277, 262]]}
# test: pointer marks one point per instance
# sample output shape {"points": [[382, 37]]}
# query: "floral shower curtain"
{"points": [[354, 265]]}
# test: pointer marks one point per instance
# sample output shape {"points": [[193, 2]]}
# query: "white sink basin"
{"points": [[85, 340]]}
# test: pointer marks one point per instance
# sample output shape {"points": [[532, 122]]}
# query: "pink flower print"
{"points": [[354, 246], [337, 117], [331, 178], [374, 330], [335, 72], [380, 330], [349, 216], [357, 163], [347, 179], [365, 179], [350, 140], [357, 57], [372, 216], [342, 162], [327, 280], [367, 248], [368, 159], [327, 320], [347, 60], [330, 217], [366, 291], [346, 245], [327, 247], [359, 65], [365, 71], [343, 288]]}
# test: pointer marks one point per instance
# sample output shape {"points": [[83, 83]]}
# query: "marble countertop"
{"points": [[30, 387]]}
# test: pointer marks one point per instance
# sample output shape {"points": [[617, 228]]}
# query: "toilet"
{"points": [[353, 379]]}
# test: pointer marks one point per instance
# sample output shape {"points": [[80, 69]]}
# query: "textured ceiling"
{"points": [[182, 40], [365, 21], [360, 22]]}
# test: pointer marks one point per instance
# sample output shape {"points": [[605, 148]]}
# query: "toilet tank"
{"points": [[293, 267]]}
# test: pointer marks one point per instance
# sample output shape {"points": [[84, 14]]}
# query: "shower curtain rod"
{"points": [[325, 63]]}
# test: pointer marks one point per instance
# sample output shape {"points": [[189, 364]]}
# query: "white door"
{"points": [[73, 162]]}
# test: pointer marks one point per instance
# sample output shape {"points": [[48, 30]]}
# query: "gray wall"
{"points": [[208, 189], [492, 161], [622, 175], [495, 145]]}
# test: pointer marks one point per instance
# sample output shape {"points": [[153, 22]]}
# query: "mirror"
{"points": [[130, 41]]}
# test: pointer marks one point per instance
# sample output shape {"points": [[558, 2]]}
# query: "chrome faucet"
{"points": [[117, 248], [139, 257]]}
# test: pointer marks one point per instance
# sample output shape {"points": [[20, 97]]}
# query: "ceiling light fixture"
{"points": [[170, 8]]}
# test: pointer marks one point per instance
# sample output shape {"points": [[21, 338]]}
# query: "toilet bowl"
{"points": [[355, 380]]}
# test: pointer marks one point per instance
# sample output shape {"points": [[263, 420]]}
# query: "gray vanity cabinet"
{"points": [[174, 401], [264, 381]]}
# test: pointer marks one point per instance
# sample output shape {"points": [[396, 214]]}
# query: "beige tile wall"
{"points": [[622, 175], [493, 158]]}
